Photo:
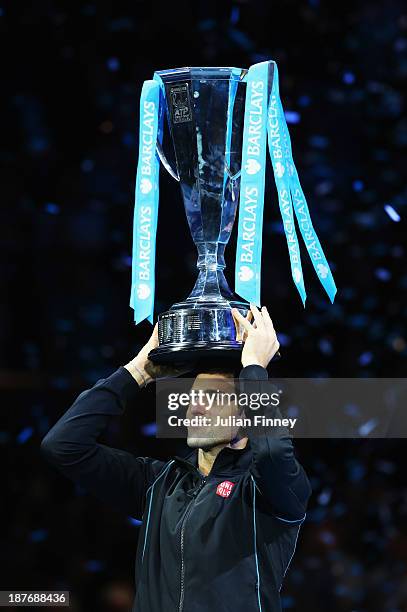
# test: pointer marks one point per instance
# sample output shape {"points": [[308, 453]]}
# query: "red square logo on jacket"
{"points": [[224, 489]]}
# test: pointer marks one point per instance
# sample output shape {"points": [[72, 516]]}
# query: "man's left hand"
{"points": [[259, 337]]}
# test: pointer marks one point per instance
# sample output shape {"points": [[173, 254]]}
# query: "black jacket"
{"points": [[203, 546]]}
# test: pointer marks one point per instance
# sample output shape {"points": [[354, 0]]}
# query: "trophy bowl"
{"points": [[205, 114]]}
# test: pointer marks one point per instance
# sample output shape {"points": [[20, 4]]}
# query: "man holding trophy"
{"points": [[219, 527]]}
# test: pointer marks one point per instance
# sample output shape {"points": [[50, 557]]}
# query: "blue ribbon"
{"points": [[277, 152], [252, 184], [290, 196], [146, 205], [302, 213]]}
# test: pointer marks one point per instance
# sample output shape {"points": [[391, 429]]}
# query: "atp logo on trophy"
{"points": [[181, 104]]}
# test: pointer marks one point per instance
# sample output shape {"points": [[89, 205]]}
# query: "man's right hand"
{"points": [[144, 370]]}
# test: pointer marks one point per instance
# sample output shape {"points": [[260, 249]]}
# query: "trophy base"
{"points": [[188, 353], [203, 332]]}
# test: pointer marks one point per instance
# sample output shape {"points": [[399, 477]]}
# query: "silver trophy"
{"points": [[205, 112], [215, 126]]}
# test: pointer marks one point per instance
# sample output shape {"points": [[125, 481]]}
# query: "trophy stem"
{"points": [[211, 285]]}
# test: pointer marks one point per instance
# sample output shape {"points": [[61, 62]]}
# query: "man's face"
{"points": [[208, 436]]}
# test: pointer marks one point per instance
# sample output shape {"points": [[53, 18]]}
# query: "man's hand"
{"points": [[145, 371], [259, 337]]}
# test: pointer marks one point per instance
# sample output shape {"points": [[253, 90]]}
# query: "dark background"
{"points": [[71, 80]]}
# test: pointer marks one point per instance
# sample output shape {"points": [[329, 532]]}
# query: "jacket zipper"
{"points": [[184, 520]]}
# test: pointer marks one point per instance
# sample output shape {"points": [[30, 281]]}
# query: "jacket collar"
{"points": [[229, 461]]}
